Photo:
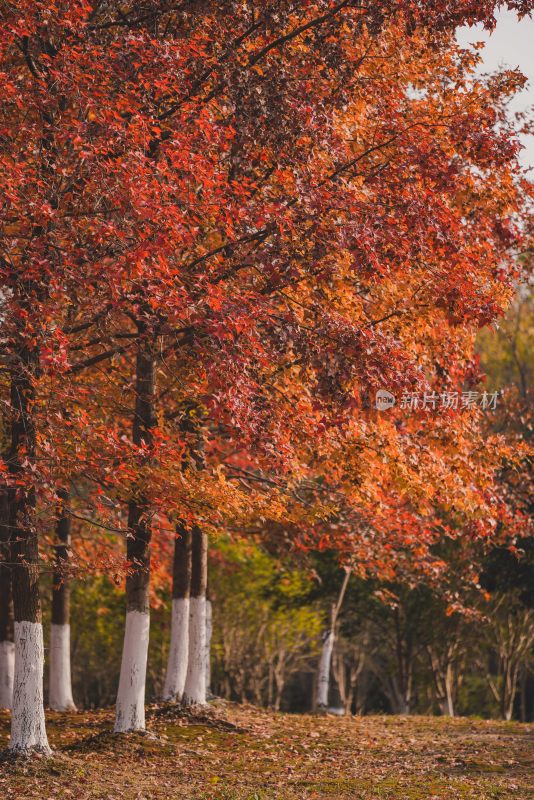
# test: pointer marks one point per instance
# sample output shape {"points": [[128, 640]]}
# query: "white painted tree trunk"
{"points": [[27, 718], [323, 675], [7, 671], [209, 631], [195, 682], [60, 692], [179, 650], [130, 711]]}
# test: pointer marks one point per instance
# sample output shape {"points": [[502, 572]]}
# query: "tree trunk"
{"points": [[181, 590], [323, 673], [339, 671], [60, 690], [7, 645], [448, 707], [279, 695], [280, 679], [445, 667], [27, 719], [323, 676], [195, 682], [270, 685], [509, 687], [209, 632], [347, 675], [130, 711]]}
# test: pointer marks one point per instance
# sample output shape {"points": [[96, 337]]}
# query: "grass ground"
{"points": [[232, 752]]}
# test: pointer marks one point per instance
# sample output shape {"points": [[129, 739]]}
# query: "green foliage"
{"points": [[97, 631], [264, 628], [506, 354], [257, 572]]}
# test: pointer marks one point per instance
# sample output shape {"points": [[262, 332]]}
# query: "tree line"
{"points": [[265, 638]]}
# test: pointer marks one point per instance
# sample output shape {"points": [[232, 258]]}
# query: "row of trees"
{"points": [[395, 649], [405, 655], [224, 228]]}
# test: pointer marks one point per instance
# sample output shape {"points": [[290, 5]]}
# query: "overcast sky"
{"points": [[511, 44]]}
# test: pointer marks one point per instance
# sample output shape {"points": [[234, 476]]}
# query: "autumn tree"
{"points": [[60, 698]]}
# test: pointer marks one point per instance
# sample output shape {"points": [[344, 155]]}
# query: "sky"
{"points": [[511, 44]]}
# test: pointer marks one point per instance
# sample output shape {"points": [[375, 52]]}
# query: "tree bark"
{"points": [[181, 591], [509, 688], [60, 693], [7, 645], [448, 706], [195, 683], [279, 679], [130, 710], [209, 632], [27, 719], [347, 666], [323, 674], [444, 663]]}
